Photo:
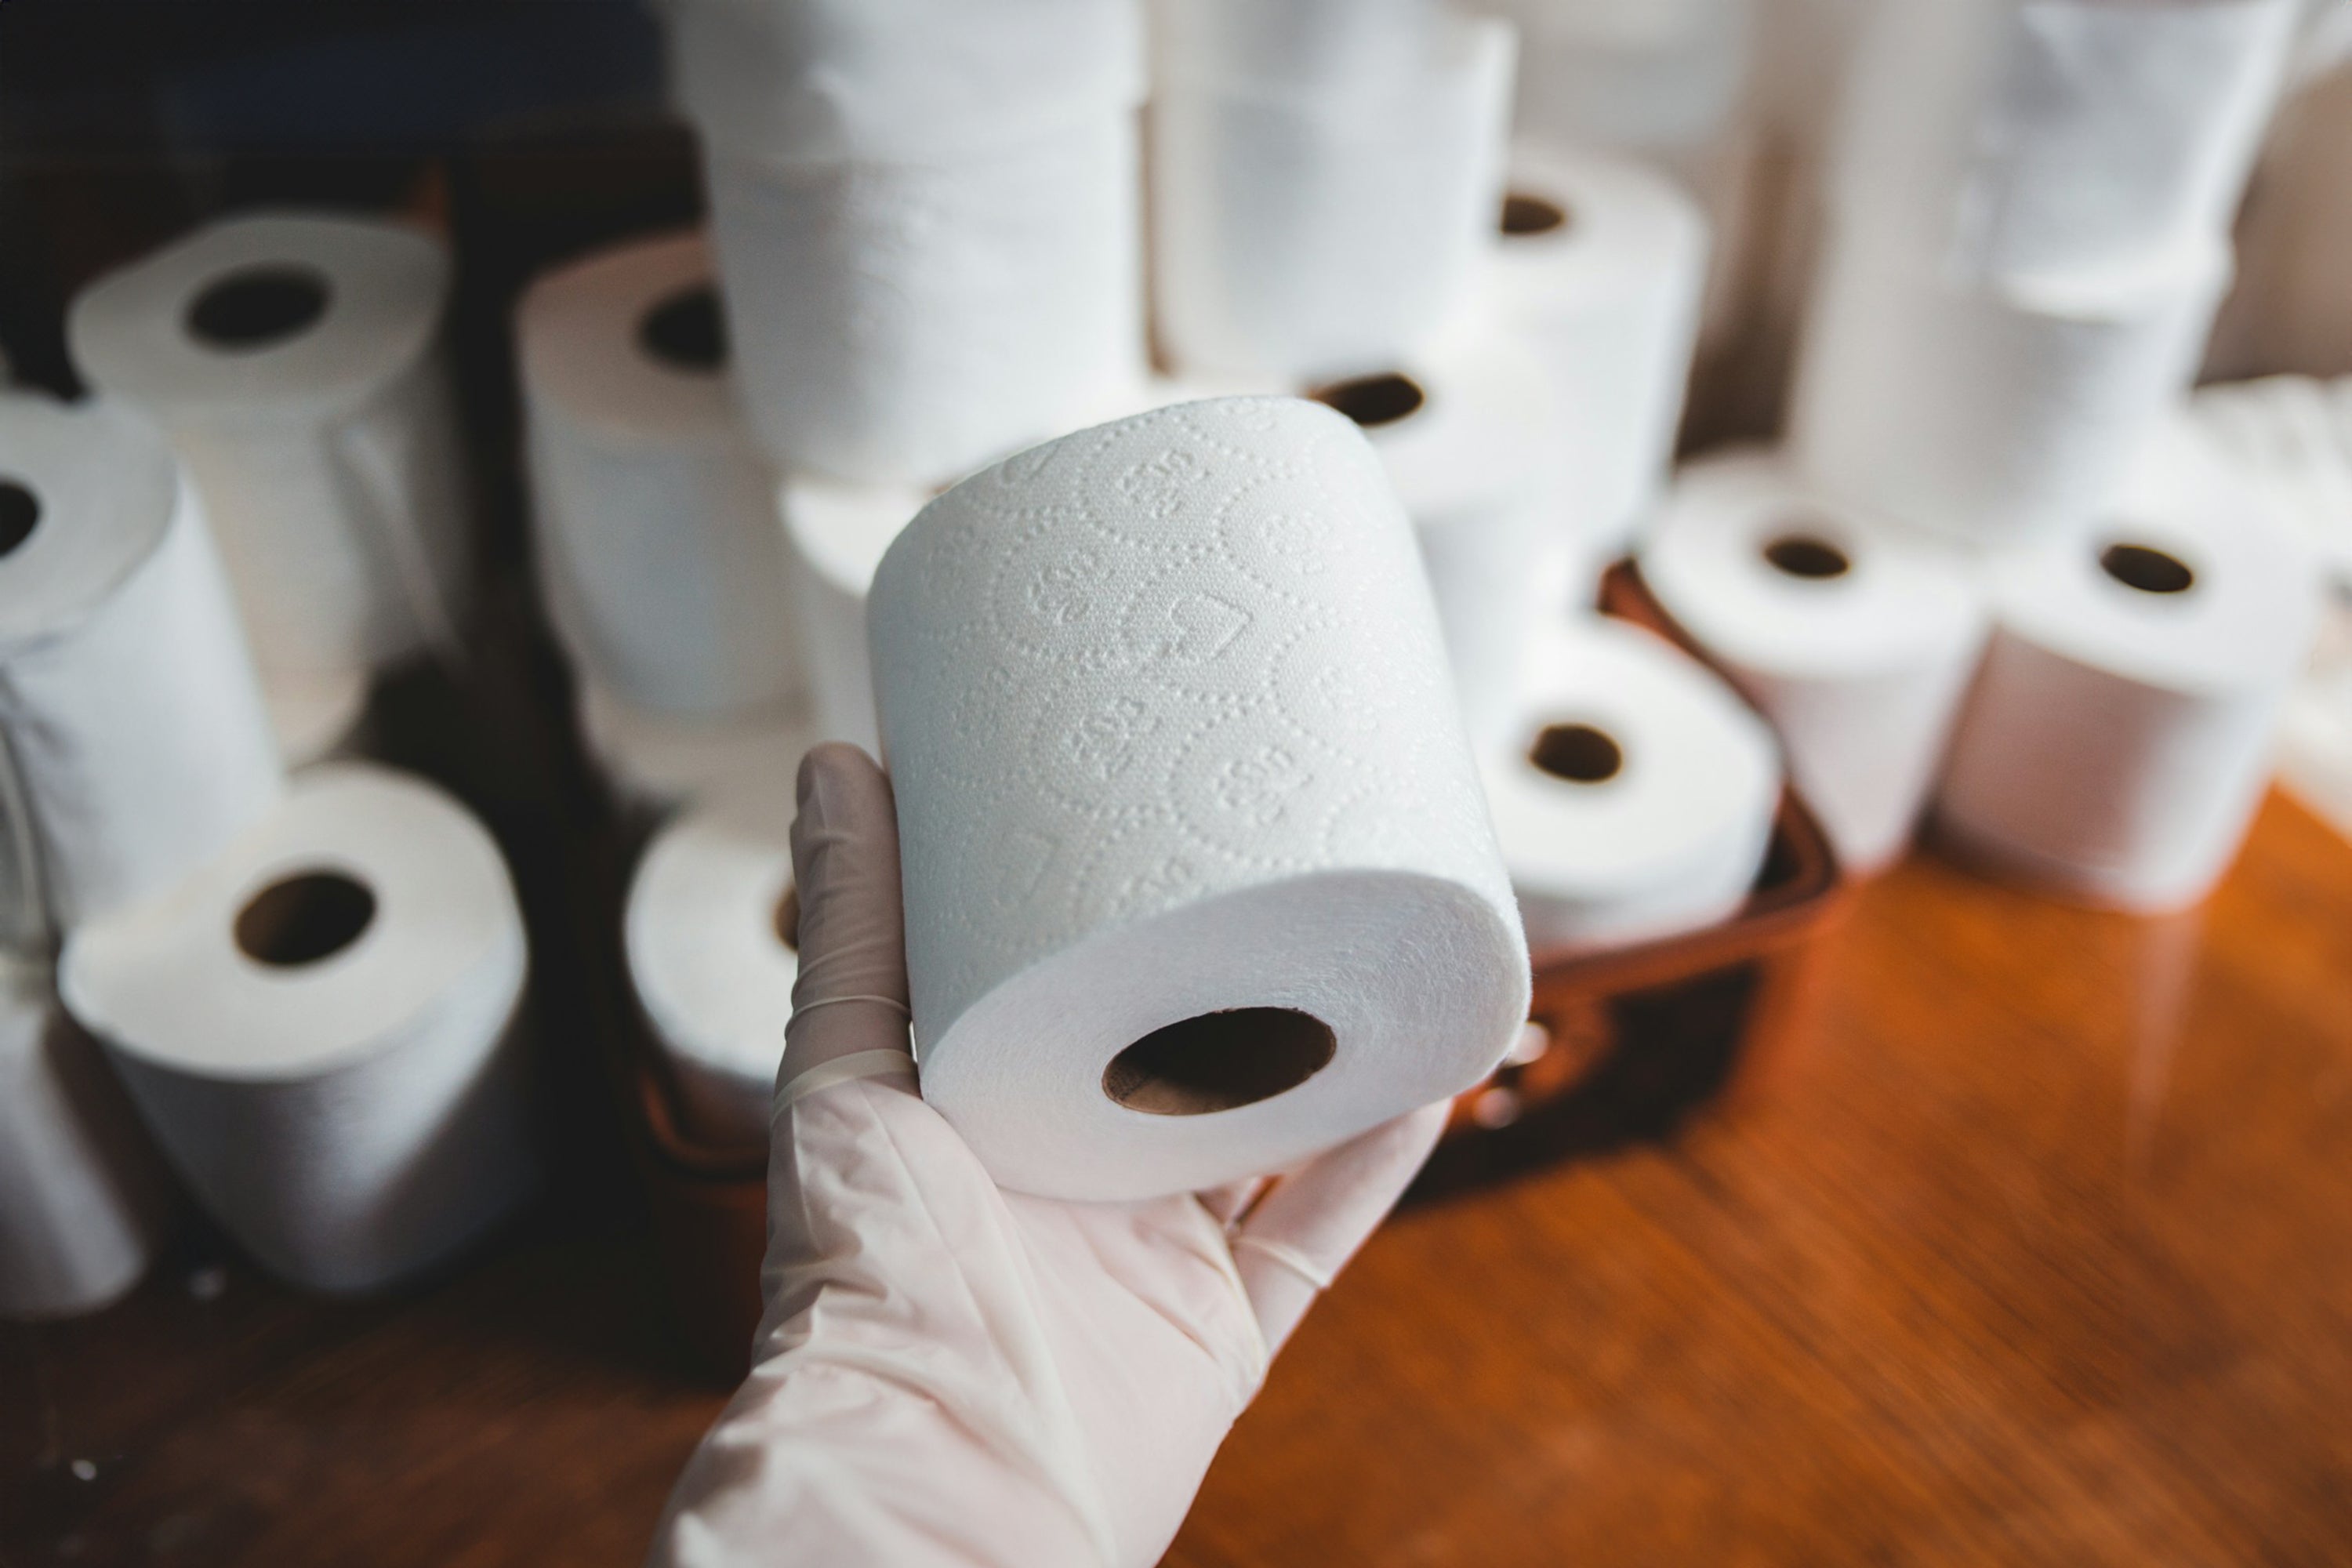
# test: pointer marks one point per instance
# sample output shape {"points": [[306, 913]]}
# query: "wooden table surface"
{"points": [[2040, 1251]]}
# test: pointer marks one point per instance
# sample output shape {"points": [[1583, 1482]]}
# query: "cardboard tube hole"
{"points": [[685, 331], [1578, 752], [1525, 214], [1217, 1061], [1808, 555], [1373, 400], [304, 918], [20, 510], [788, 918], [2149, 571], [255, 307]]}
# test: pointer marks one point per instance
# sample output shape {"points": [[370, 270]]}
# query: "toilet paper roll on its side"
{"points": [[290, 359], [318, 1030], [1199, 879], [710, 929], [1634, 795], [905, 322], [837, 534], [81, 1198], [1602, 263], [140, 742], [1982, 415], [657, 761], [1310, 233], [2118, 738], [1467, 433], [656, 526], [1855, 639]]}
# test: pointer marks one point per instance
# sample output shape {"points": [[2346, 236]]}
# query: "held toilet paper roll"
{"points": [[1855, 639], [2118, 737], [658, 760], [1466, 433], [1634, 794], [1325, 229], [837, 534], [318, 1029], [140, 743], [710, 929], [1600, 263], [656, 530], [80, 1198], [290, 359], [1198, 876]]}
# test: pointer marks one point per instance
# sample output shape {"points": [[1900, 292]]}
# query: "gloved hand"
{"points": [[948, 1373]]}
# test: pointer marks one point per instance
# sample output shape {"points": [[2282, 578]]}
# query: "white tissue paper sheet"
{"points": [[318, 1027], [657, 761], [707, 930], [1633, 794], [80, 1198], [2119, 736], [655, 527], [1475, 462], [837, 534], [1170, 726], [290, 359], [1855, 639], [140, 743], [907, 322], [1600, 267], [1324, 229]]}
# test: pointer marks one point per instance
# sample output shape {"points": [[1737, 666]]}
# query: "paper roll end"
{"points": [[1219, 1061], [258, 307], [2140, 566], [304, 918], [20, 513]]}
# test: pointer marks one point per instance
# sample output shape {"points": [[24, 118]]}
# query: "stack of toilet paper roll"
{"points": [[2029, 226], [1323, 177], [1199, 877], [292, 359], [926, 219]]}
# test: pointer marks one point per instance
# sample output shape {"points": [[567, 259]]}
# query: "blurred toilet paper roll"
{"points": [[1980, 415], [812, 80], [1199, 879], [1299, 44], [81, 1196], [908, 321], [1855, 638], [2118, 737], [1635, 794], [837, 534], [657, 761], [710, 929], [1466, 434], [290, 359], [1325, 230], [656, 520], [2288, 438], [1601, 263], [2017, 139], [318, 1030], [140, 743]]}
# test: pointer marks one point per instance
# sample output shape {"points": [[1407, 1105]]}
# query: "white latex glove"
{"points": [[948, 1373]]}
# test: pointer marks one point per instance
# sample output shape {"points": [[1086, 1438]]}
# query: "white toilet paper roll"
{"points": [[1198, 875], [80, 1198], [1855, 639], [2118, 737], [1635, 794], [655, 523], [1325, 230], [658, 760], [837, 534], [290, 357], [1467, 433], [140, 741], [1299, 44], [710, 928], [908, 321], [1982, 415], [318, 1029], [1601, 263]]}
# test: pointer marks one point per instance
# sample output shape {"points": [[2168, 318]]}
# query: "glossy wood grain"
{"points": [[2039, 1251]]}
